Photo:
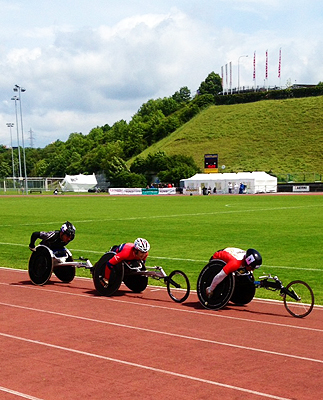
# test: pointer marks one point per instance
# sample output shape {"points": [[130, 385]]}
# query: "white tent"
{"points": [[78, 183], [255, 182]]}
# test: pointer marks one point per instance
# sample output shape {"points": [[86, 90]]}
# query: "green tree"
{"points": [[5, 170], [128, 179], [75, 164], [211, 85], [40, 168], [183, 95], [174, 175]]}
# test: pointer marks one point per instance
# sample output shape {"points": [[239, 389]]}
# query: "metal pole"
{"points": [[15, 98], [10, 125], [21, 90]]}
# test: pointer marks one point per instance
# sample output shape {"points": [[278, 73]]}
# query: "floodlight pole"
{"points": [[20, 90], [15, 98], [10, 125]]}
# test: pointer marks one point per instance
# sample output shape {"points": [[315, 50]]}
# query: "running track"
{"points": [[62, 341]]}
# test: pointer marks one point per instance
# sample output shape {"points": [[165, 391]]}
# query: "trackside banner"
{"points": [[140, 191], [124, 191], [304, 188]]}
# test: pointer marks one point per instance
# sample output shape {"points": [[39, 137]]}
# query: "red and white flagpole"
{"points": [[254, 69], [279, 66], [266, 72]]}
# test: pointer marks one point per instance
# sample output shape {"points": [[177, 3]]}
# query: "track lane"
{"points": [[157, 337]]}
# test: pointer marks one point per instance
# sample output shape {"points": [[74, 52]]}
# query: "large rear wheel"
{"points": [[65, 273], [40, 266], [134, 281], [223, 291], [244, 289], [107, 286]]}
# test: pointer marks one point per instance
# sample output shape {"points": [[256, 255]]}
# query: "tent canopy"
{"points": [[78, 183], [255, 182]]}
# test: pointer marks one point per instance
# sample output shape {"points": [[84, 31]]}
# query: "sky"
{"points": [[86, 63]]}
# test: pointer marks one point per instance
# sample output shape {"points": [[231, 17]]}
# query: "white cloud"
{"points": [[79, 73]]}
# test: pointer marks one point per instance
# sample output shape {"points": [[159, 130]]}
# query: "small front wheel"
{"points": [[298, 298], [178, 286]]}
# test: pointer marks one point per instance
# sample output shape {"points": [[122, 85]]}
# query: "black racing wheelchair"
{"points": [[43, 262], [240, 287], [135, 274]]}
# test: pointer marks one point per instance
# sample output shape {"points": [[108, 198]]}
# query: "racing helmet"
{"points": [[142, 245], [253, 259], [68, 229]]}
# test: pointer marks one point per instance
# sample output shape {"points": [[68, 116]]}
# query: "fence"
{"points": [[18, 185]]}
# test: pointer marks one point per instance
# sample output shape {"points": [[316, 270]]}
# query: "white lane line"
{"points": [[172, 259], [146, 367], [205, 313], [23, 395], [153, 217], [186, 337]]}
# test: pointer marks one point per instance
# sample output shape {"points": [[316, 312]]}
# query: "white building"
{"points": [[255, 182]]}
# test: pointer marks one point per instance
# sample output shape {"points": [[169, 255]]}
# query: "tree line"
{"points": [[107, 149]]}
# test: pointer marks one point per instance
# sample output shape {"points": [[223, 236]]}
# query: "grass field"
{"points": [[285, 136], [184, 231]]}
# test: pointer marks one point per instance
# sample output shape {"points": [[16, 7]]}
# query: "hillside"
{"points": [[282, 136]]}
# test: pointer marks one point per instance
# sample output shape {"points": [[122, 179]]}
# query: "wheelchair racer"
{"points": [[128, 252], [235, 260], [54, 240]]}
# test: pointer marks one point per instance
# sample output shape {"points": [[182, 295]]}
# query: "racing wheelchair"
{"points": [[135, 274], [240, 287], [44, 261]]}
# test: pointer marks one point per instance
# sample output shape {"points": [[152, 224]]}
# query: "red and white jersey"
{"points": [[233, 257], [125, 252]]}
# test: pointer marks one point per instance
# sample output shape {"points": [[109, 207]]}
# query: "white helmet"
{"points": [[142, 245]]}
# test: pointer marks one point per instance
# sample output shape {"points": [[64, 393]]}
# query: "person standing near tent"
{"points": [[230, 187], [54, 240]]}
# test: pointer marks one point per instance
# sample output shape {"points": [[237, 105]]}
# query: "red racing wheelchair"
{"points": [[240, 287], [135, 276]]}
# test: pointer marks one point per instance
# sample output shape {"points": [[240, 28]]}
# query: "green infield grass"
{"points": [[184, 231]]}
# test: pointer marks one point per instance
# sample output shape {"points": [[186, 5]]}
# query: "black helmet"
{"points": [[253, 258], [68, 229]]}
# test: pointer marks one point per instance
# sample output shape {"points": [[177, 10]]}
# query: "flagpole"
{"points": [[279, 67], [254, 70]]}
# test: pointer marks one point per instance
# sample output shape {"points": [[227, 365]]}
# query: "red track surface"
{"points": [[63, 341]]}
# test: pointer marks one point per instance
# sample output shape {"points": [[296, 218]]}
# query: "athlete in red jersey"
{"points": [[235, 259], [128, 252]]}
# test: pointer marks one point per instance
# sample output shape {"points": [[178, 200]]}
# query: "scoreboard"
{"points": [[210, 163]]}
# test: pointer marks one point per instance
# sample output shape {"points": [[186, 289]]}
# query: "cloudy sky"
{"points": [[89, 63]]}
